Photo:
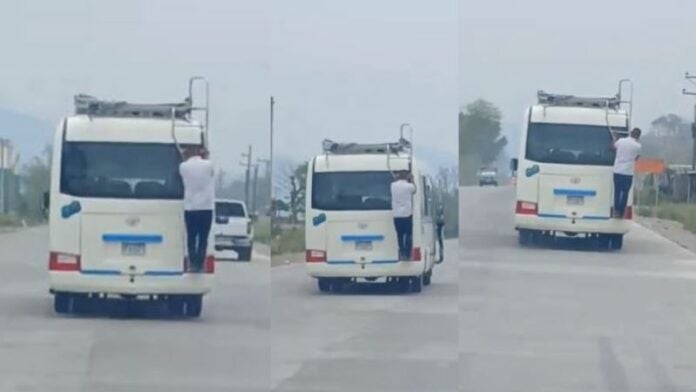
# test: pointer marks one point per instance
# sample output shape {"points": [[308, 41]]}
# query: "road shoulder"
{"points": [[671, 230]]}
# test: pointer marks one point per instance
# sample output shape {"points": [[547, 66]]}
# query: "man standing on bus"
{"points": [[402, 191], [198, 176], [627, 152], [440, 226]]}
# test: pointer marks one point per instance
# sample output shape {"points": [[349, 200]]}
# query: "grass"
{"points": [[290, 240], [680, 212], [9, 221], [262, 230]]}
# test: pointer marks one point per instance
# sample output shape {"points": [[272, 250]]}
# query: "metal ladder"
{"points": [[94, 107], [402, 146], [609, 104]]}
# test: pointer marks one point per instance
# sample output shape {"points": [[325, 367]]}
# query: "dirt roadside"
{"points": [[671, 230]]}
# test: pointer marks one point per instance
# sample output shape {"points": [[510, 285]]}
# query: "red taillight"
{"points": [[526, 208], [63, 262], [209, 265], [315, 256], [628, 214], [416, 254]]}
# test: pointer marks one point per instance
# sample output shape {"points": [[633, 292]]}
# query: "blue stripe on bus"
{"points": [[385, 261], [362, 238], [340, 262], [561, 216], [163, 273], [574, 192], [100, 272], [133, 238]]}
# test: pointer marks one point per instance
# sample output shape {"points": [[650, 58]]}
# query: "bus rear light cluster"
{"points": [[526, 208], [63, 262], [416, 254], [315, 256]]}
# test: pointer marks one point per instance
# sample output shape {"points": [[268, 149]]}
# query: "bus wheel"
{"points": [[417, 284], [324, 285], [427, 278], [176, 305], [526, 237], [62, 303], [194, 305], [616, 241]]}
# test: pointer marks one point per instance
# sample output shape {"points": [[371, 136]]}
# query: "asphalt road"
{"points": [[226, 350], [367, 339], [567, 318]]}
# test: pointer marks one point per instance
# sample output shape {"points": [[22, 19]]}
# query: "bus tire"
{"points": [[324, 285], [62, 303], [194, 305], [525, 237], [244, 254], [427, 278], [176, 305], [616, 241], [417, 284]]}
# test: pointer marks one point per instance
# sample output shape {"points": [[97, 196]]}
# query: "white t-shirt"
{"points": [[627, 150], [402, 204], [198, 175]]}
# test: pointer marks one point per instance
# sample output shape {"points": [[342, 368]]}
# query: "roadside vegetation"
{"points": [[679, 212], [262, 230]]}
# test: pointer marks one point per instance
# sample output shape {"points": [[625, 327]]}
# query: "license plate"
{"points": [[575, 200], [133, 249], [363, 245]]}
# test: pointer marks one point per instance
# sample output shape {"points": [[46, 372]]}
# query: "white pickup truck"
{"points": [[233, 228]]}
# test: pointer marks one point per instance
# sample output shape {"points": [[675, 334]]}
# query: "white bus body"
{"points": [[116, 211], [349, 225], [565, 174]]}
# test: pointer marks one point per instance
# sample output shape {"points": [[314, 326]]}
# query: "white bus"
{"points": [[565, 170], [116, 206], [349, 226]]}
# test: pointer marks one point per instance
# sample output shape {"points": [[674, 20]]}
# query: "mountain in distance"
{"points": [[28, 134]]}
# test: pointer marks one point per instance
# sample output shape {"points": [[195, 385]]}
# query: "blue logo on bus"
{"points": [[70, 209]]}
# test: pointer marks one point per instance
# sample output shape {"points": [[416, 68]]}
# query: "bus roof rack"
{"points": [[401, 146], [572, 100], [92, 106]]}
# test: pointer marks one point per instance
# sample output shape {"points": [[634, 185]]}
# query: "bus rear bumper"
{"points": [[365, 270], [77, 282], [580, 226]]}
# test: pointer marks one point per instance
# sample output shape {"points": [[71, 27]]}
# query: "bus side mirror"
{"points": [[514, 162]]}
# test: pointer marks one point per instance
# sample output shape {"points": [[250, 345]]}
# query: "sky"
{"points": [[508, 50], [142, 51], [355, 70]]}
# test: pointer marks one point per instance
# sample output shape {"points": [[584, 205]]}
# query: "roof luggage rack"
{"points": [[402, 147], [92, 106], [614, 103], [572, 100]]}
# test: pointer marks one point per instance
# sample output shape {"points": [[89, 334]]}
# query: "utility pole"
{"points": [[273, 203], [4, 157], [690, 79], [253, 188], [247, 164]]}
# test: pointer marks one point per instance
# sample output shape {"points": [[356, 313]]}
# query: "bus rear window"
{"points": [[121, 170], [352, 191], [570, 144]]}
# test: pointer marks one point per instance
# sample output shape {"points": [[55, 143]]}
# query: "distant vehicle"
{"points": [[233, 228], [565, 169], [488, 177], [116, 206], [349, 225]]}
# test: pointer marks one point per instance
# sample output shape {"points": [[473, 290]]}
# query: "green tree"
{"points": [[480, 141], [669, 138], [36, 179], [298, 181]]}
